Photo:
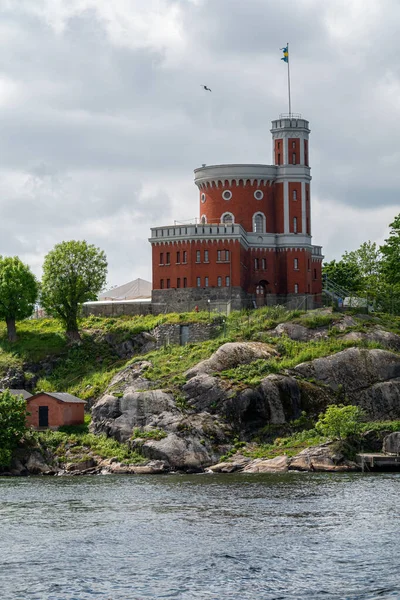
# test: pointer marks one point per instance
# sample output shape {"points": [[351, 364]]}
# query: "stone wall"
{"points": [[181, 334], [215, 299]]}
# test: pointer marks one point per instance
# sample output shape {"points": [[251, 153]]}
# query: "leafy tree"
{"points": [[367, 259], [391, 254], [13, 415], [345, 274], [73, 272], [18, 292], [340, 421]]}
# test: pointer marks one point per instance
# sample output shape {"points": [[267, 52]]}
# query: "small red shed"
{"points": [[53, 409]]}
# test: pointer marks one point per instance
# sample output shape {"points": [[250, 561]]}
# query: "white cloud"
{"points": [[103, 119]]}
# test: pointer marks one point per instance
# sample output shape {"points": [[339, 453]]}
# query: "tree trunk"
{"points": [[11, 330], [72, 332]]}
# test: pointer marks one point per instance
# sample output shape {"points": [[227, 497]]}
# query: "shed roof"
{"points": [[61, 396], [23, 393]]}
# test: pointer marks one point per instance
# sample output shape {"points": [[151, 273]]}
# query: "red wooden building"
{"points": [[251, 244], [54, 409]]}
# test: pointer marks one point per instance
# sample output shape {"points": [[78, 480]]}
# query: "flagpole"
{"points": [[288, 76]]}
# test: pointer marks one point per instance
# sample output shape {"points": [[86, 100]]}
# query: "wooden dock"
{"points": [[378, 462]]}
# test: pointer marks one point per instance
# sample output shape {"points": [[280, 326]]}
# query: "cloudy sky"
{"points": [[102, 117]]}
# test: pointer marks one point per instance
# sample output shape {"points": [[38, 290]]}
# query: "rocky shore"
{"points": [[190, 427]]}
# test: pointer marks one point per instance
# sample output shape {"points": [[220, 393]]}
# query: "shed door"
{"points": [[184, 335], [43, 416]]}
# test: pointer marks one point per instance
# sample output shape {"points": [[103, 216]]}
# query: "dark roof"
{"points": [[23, 393], [62, 396]]}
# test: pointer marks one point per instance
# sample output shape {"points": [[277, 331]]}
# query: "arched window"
{"points": [[227, 218], [259, 223], [203, 219]]}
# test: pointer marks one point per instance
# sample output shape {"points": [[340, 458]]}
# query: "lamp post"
{"points": [[209, 308]]}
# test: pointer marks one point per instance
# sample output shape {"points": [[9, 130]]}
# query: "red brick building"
{"points": [[251, 244]]}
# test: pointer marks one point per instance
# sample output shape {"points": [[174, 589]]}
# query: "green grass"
{"points": [[170, 363], [292, 353], [74, 440]]}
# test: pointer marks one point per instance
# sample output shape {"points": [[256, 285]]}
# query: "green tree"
{"points": [[340, 421], [391, 266], [73, 272], [18, 292], [345, 274], [13, 415], [367, 259]]}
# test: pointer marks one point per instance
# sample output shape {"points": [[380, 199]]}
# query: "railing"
{"points": [[194, 229], [332, 289], [290, 116]]}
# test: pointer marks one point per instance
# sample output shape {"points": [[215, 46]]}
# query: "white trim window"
{"points": [[227, 194], [294, 224], [203, 198], [219, 282], [227, 282], [198, 281], [258, 195], [259, 223], [296, 288], [296, 264], [227, 218]]}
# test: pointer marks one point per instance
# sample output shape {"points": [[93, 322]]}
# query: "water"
{"points": [[290, 536]]}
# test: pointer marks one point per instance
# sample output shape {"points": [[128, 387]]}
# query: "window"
{"points": [[296, 288], [185, 256], [227, 194], [226, 254], [198, 282], [205, 281], [185, 282], [178, 282], [227, 218], [227, 281], [161, 284], [168, 259], [279, 158], [294, 158], [219, 255], [308, 265], [198, 257], [263, 264], [203, 198], [219, 281], [258, 223], [295, 224], [168, 283], [294, 194], [315, 273], [256, 264], [178, 257], [203, 220], [161, 258], [294, 145], [205, 255], [258, 195], [296, 263], [279, 145]]}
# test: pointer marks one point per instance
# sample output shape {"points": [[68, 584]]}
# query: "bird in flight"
{"points": [[205, 87]]}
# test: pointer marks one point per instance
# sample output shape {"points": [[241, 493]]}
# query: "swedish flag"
{"points": [[285, 57]]}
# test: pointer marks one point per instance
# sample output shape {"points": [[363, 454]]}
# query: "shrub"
{"points": [[12, 424], [340, 421]]}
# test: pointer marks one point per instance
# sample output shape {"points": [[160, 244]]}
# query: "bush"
{"points": [[13, 415], [340, 421]]}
